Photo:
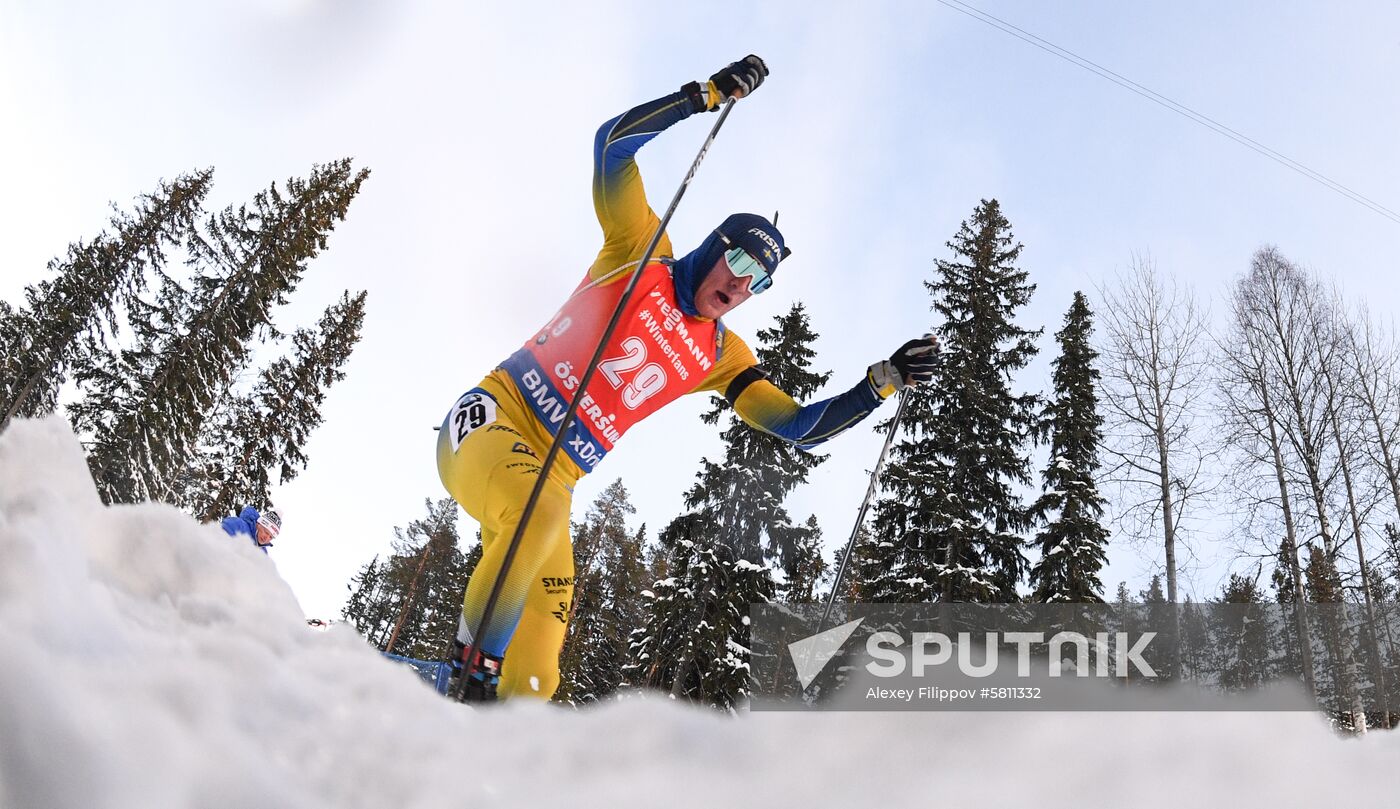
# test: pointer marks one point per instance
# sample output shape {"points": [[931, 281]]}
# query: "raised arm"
{"points": [[619, 197]]}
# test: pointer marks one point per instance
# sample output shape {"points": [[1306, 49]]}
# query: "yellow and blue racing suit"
{"points": [[493, 439]]}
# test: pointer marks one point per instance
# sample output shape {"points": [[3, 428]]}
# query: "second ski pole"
{"points": [[864, 506]]}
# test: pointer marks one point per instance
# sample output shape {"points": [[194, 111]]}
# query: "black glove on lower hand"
{"points": [[916, 359], [912, 364], [740, 78]]}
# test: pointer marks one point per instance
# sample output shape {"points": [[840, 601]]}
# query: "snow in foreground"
{"points": [[147, 661]]}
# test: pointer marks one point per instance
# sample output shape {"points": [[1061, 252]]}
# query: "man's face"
{"points": [[721, 291], [264, 536]]}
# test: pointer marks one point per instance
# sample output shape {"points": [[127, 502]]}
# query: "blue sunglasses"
{"points": [[744, 265]]}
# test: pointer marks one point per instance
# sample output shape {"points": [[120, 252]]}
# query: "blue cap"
{"points": [[759, 237], [750, 231]]}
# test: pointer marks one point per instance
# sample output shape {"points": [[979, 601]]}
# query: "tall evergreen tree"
{"points": [[76, 311], [146, 406], [610, 573], [949, 525], [1154, 593], [668, 634], [253, 436], [762, 468], [1072, 540], [695, 640]]}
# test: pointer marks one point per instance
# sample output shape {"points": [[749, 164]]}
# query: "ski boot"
{"points": [[474, 675]]}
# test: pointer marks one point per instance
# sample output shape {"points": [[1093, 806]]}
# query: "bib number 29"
{"points": [[645, 384]]}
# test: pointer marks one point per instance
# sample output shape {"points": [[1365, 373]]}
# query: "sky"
{"points": [[150, 663], [876, 134]]}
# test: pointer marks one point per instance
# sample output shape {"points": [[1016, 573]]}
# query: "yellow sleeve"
{"points": [[619, 197], [760, 403], [628, 223], [735, 356]]}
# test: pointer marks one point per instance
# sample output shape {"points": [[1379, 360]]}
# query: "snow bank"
{"points": [[146, 661]]}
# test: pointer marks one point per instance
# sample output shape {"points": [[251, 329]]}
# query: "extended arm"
{"points": [[766, 407]]}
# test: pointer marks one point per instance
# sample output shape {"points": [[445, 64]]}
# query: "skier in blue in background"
{"points": [[261, 528]]}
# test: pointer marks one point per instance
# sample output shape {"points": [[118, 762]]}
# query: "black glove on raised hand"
{"points": [[912, 364], [741, 78]]}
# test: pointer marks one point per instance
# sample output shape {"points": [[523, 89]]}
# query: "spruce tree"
{"points": [[694, 644], [763, 469], [695, 639], [1124, 611], [362, 608], [147, 406], [1154, 593], [672, 602], [807, 569], [949, 525], [430, 622], [368, 608], [252, 437], [1072, 539], [609, 575], [1160, 616], [75, 312], [881, 566], [1246, 635]]}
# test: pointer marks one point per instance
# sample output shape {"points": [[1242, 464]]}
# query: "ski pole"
{"points": [[558, 443], [864, 505], [855, 529]]}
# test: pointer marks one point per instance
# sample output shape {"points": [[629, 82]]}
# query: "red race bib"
{"points": [[656, 354]]}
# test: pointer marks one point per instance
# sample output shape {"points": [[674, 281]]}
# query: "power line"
{"points": [[1177, 107]]}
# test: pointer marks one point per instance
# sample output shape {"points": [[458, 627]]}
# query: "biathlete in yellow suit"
{"points": [[670, 342]]}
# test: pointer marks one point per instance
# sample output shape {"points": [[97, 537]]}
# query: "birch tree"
{"points": [[1156, 366], [1252, 431]]}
